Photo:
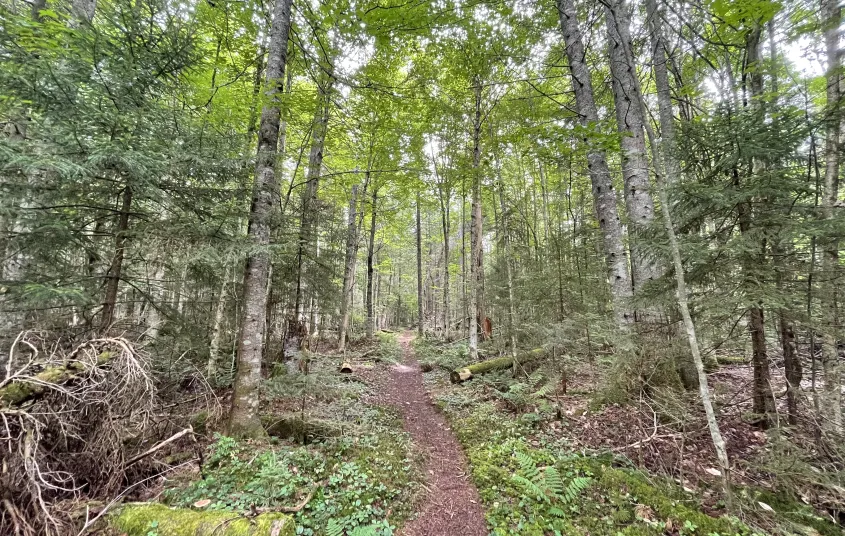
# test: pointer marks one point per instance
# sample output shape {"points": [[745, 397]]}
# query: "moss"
{"points": [[160, 520]]}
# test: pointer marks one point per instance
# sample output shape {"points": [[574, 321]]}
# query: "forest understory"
{"points": [[536, 453], [422, 267]]}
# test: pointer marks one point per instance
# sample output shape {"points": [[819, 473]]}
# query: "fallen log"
{"points": [[463, 374], [16, 391], [136, 520], [346, 368]]}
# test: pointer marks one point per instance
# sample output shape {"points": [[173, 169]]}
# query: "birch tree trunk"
{"points": [[630, 123], [831, 402], [604, 197], [243, 417], [152, 316], [475, 264], [506, 258]]}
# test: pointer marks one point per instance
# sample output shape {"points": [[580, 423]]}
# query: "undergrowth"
{"points": [[355, 470], [534, 484], [352, 482]]}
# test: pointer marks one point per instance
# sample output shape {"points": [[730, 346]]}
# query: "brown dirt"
{"points": [[451, 506]]}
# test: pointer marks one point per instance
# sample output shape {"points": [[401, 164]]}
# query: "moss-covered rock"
{"points": [[151, 518]]}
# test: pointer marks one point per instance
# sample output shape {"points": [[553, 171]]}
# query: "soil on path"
{"points": [[451, 506]]}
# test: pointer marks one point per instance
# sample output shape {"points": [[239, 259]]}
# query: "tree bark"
{"points": [[306, 253], [243, 417], [475, 263], [217, 327], [630, 123], [419, 272], [349, 268], [831, 402], [506, 258], [763, 399], [444, 219], [499, 363], [604, 197], [116, 268], [371, 319]]}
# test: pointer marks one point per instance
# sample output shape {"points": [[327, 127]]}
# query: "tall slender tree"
{"points": [[243, 416]]}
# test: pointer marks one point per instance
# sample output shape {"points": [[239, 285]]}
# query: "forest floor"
{"points": [[387, 450], [451, 504]]}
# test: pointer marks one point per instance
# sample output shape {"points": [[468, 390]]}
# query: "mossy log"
{"points": [[463, 374], [141, 519], [20, 391]]}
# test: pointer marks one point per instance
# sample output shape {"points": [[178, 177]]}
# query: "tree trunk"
{"points": [[499, 363], [243, 417], [116, 268], [371, 319], [306, 253], [630, 123], [506, 258], [763, 399], [666, 144], [349, 268], [831, 402], [475, 263], [692, 339], [604, 197], [419, 272], [217, 327], [444, 216]]}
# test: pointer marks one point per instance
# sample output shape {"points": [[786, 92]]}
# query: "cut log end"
{"points": [[345, 368]]}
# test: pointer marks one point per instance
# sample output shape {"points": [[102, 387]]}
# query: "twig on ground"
{"points": [[159, 446]]}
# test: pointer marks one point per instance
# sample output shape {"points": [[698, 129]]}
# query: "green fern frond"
{"points": [[369, 530], [334, 528], [574, 488], [553, 481], [557, 512], [527, 465]]}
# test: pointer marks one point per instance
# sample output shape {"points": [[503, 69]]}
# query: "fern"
{"points": [[553, 481], [527, 465], [369, 530], [531, 488], [574, 488], [547, 485], [334, 528]]}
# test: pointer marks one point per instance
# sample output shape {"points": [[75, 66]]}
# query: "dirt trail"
{"points": [[451, 506]]}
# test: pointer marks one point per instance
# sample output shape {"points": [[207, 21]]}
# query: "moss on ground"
{"points": [[150, 519], [598, 499]]}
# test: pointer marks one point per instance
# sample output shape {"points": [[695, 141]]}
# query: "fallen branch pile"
{"points": [[70, 415]]}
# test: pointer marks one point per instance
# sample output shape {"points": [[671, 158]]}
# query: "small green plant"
{"points": [[546, 484]]}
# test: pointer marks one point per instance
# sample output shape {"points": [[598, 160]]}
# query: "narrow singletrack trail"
{"points": [[451, 506]]}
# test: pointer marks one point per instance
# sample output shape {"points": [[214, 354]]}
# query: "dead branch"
{"points": [[159, 446]]}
